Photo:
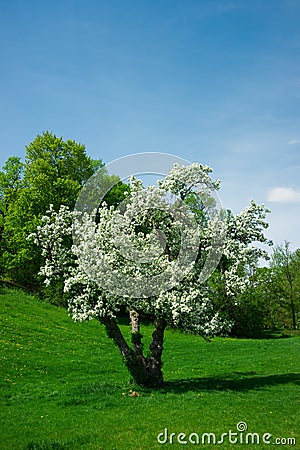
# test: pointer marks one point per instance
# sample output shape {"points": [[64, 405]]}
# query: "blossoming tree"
{"points": [[153, 256]]}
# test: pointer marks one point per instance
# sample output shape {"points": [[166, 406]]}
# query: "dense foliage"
{"points": [[164, 252], [285, 267], [54, 173], [150, 256]]}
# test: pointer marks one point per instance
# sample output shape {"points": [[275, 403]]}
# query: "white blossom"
{"points": [[143, 246]]}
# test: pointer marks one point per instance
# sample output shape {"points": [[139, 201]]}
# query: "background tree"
{"points": [[258, 307], [10, 182], [286, 266], [241, 302], [129, 247], [54, 172]]}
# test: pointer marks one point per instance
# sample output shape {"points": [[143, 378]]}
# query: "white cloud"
{"points": [[283, 195], [294, 142]]}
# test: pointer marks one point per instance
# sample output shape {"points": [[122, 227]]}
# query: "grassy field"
{"points": [[63, 386]]}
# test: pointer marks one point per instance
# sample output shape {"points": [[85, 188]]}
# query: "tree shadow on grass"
{"points": [[236, 381]]}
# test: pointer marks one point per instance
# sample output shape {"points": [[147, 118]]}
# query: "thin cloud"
{"points": [[222, 8], [227, 7], [294, 142], [283, 195]]}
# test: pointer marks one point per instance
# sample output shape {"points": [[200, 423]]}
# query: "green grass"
{"points": [[63, 385]]}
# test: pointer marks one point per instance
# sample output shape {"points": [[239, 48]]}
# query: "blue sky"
{"points": [[213, 81]]}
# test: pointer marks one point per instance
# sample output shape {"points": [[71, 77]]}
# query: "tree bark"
{"points": [[154, 363], [144, 371], [136, 336], [114, 332]]}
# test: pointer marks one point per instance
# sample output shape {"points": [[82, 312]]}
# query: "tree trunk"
{"points": [[136, 336], [144, 371], [293, 311], [154, 363]]}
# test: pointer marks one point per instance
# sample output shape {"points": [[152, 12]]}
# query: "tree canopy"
{"points": [[150, 256], [53, 173]]}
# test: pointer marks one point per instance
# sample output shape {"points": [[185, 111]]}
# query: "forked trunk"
{"points": [[146, 371]]}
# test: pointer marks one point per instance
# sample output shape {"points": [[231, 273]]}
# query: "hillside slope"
{"points": [[63, 385]]}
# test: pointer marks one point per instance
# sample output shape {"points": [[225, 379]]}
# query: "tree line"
{"points": [[249, 297]]}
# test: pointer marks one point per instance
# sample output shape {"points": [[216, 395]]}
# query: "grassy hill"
{"points": [[63, 386]]}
